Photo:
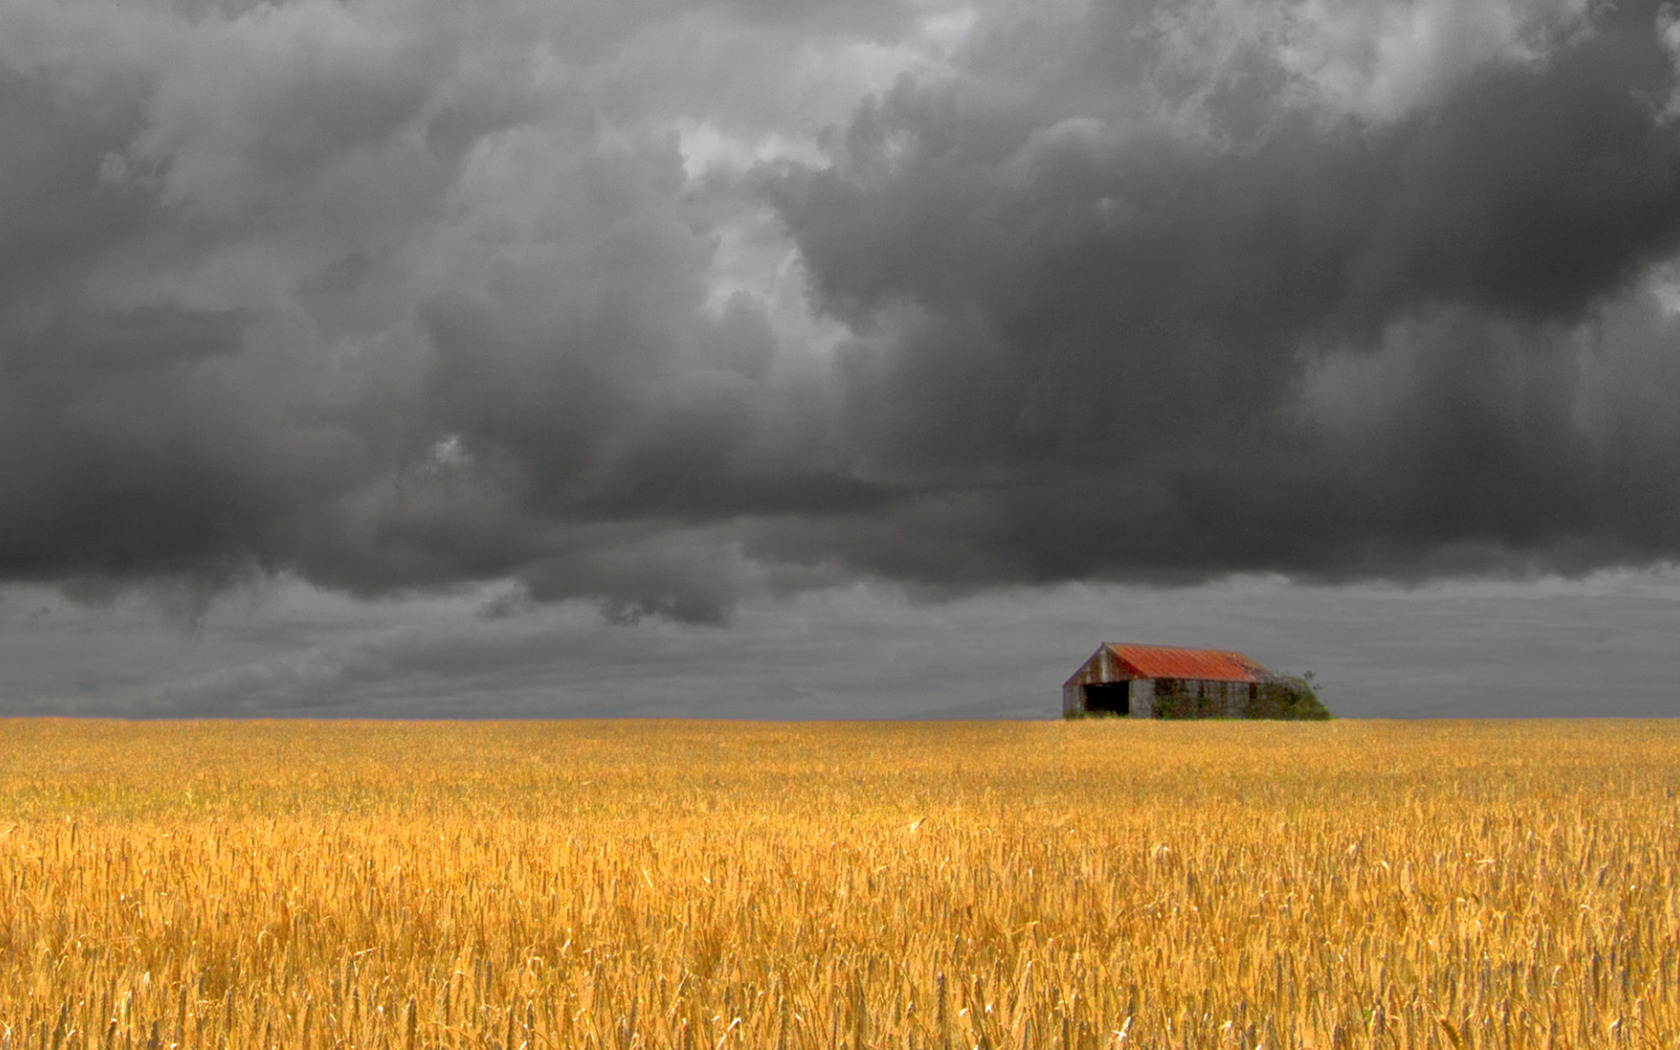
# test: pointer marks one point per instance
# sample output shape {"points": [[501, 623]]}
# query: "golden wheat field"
{"points": [[714, 885]]}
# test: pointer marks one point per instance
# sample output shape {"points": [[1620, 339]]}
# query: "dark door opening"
{"points": [[1113, 697]]}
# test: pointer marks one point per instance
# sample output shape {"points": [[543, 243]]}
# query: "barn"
{"points": [[1154, 681]]}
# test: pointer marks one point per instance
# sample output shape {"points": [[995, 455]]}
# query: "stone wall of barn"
{"points": [[1196, 698], [1143, 697], [1171, 698]]}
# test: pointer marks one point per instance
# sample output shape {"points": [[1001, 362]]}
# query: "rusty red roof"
{"points": [[1159, 661]]}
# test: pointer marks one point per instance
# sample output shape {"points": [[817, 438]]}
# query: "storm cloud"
{"points": [[665, 305]]}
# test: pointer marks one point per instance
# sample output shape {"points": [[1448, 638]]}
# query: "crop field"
{"points": [[712, 885]]}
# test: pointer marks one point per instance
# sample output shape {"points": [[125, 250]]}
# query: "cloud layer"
{"points": [[1599, 646], [659, 305]]}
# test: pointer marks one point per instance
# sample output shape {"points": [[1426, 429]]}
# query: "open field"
{"points": [[708, 885]]}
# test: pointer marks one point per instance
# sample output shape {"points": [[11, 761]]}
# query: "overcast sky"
{"points": [[783, 359]]}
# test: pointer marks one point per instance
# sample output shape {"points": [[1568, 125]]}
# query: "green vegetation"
{"points": [[1289, 698]]}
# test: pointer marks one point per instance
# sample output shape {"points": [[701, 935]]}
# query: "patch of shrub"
{"points": [[1289, 698]]}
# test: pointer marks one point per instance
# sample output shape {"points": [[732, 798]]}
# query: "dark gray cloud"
{"points": [[1103, 350], [660, 306], [1595, 646]]}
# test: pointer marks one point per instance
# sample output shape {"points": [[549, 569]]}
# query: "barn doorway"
{"points": [[1110, 697]]}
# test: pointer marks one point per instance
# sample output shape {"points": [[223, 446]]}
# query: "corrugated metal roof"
{"points": [[1159, 661]]}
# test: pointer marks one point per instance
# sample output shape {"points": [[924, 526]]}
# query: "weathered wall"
{"points": [[1143, 697], [1194, 698], [1100, 668]]}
